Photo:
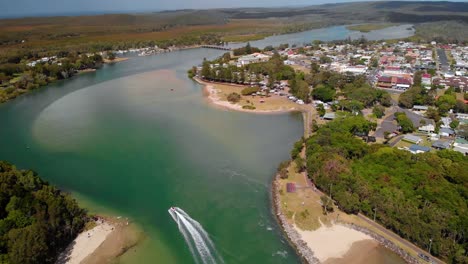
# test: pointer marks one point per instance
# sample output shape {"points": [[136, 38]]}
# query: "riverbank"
{"points": [[117, 59], [330, 238], [103, 243], [216, 94]]}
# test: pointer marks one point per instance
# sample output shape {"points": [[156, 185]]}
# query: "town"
{"points": [[416, 93]]}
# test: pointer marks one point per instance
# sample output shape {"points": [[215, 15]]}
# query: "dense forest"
{"points": [[37, 221], [421, 197]]}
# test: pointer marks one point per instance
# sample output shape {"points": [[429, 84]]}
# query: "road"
{"points": [[442, 57], [389, 125]]}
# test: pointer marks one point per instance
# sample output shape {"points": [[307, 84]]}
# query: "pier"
{"points": [[216, 47]]}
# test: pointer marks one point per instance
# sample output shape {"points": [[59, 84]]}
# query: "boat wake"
{"points": [[197, 239]]}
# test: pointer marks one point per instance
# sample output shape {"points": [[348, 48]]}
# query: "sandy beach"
{"points": [[117, 59], [109, 239], [86, 243], [273, 104], [332, 242]]}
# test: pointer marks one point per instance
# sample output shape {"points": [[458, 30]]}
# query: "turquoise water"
{"points": [[137, 137], [123, 140]]}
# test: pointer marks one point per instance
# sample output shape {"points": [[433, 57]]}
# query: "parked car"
{"points": [[425, 257]]}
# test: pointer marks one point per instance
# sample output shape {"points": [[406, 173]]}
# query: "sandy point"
{"points": [[103, 243], [333, 241], [216, 94]]}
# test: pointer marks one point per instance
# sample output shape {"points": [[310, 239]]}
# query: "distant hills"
{"points": [[227, 24]]}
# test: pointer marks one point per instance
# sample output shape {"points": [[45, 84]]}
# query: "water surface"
{"points": [[333, 33], [137, 137]]}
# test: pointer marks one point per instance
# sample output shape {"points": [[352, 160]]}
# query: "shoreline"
{"points": [[117, 59], [211, 94], [110, 238], [294, 239]]}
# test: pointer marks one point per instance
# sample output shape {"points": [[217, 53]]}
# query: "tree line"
{"points": [[17, 78]]}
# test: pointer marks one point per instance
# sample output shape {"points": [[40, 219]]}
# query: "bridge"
{"points": [[215, 47]]}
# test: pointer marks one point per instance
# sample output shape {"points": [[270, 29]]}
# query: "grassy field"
{"points": [[369, 27]]}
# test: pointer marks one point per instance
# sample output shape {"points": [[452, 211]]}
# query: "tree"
{"points": [[314, 67], [206, 70], [300, 164], [298, 146], [463, 131], [242, 76], [111, 56], [327, 204], [433, 114], [454, 124], [282, 169], [460, 107], [323, 93], [404, 122], [378, 111], [28, 245], [248, 49], [233, 97], [321, 110], [446, 102], [249, 90], [324, 59]]}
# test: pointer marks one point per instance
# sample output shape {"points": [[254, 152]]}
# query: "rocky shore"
{"points": [[384, 242], [306, 254]]}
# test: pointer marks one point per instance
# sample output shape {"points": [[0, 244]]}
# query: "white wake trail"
{"points": [[197, 239]]}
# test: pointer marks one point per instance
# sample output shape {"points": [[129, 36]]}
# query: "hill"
{"points": [[185, 27]]}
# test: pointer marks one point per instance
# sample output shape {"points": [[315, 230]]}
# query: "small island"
{"points": [[369, 27]]}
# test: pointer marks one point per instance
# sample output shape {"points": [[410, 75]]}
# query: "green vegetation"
{"points": [[248, 107], [420, 197], [283, 169], [442, 32], [406, 125], [357, 92], [300, 88], [245, 50], [233, 97], [416, 96], [298, 146], [324, 93], [249, 90], [369, 27], [463, 131], [37, 221], [17, 78], [378, 111]]}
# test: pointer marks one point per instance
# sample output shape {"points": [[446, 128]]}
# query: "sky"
{"points": [[18, 8]]}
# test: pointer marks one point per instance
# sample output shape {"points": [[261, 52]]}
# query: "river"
{"points": [[137, 137]]}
